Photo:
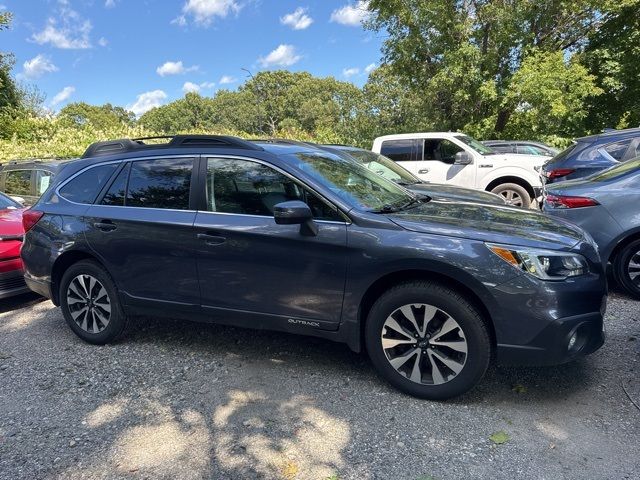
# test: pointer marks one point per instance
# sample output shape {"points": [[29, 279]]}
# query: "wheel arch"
{"points": [[62, 263], [622, 242], [512, 179], [389, 280]]}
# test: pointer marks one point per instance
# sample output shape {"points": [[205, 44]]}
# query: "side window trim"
{"points": [[203, 188]]}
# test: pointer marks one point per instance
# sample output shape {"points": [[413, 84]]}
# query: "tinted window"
{"points": [[632, 166], [85, 187], [18, 182], [43, 180], [440, 150], [162, 183], [398, 150], [118, 189], [618, 149], [251, 188]]}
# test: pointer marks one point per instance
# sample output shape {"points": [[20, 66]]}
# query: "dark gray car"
{"points": [[296, 239], [607, 205], [391, 170]]}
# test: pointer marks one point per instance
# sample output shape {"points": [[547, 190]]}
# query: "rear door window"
{"points": [[18, 182], [43, 180], [401, 150], [85, 187], [160, 183], [118, 190]]}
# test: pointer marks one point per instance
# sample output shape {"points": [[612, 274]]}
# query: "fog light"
{"points": [[572, 340]]}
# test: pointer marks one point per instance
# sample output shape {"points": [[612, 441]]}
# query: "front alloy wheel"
{"points": [[627, 268], [428, 340], [424, 343]]}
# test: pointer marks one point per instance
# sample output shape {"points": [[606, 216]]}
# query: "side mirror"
{"points": [[295, 212], [463, 158]]}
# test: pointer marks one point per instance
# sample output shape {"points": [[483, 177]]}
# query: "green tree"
{"points": [[192, 112], [612, 58], [462, 56], [101, 117]]}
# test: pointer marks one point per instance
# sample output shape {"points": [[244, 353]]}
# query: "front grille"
{"points": [[12, 283]]}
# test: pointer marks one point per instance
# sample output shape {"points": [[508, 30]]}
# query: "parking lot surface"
{"points": [[183, 400]]}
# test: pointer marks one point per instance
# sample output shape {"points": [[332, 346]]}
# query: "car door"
{"points": [[142, 229], [249, 264]]}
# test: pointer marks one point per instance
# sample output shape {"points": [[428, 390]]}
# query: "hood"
{"points": [[441, 192], [11, 222], [488, 223]]}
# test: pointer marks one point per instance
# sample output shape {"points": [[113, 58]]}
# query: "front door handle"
{"points": [[211, 239], [105, 225], [423, 171]]}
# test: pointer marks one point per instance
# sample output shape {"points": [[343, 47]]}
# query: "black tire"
{"points": [[117, 320], [469, 320], [622, 271], [511, 192]]}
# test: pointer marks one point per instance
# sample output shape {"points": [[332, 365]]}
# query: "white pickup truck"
{"points": [[455, 158]]}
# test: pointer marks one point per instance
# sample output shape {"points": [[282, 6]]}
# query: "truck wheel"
{"points": [[513, 194], [427, 340]]}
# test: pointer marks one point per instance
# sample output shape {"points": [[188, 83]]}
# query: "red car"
{"points": [[11, 233]]}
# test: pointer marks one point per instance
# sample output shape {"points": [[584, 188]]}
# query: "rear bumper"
{"points": [[42, 287], [551, 345], [12, 283]]}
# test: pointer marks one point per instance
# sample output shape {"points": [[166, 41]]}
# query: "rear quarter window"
{"points": [[85, 187]]}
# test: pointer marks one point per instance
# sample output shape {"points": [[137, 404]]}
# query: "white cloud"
{"points": [[370, 68], [62, 96], [204, 11], [227, 79], [68, 30], [195, 87], [190, 87], [174, 68], [103, 42], [298, 20], [146, 101], [110, 3], [351, 15], [38, 66], [283, 56], [350, 72]]}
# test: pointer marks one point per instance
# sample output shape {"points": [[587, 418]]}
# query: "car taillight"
{"points": [[30, 218], [559, 173], [562, 201]]}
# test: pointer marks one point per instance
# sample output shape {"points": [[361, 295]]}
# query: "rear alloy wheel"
{"points": [[627, 268], [513, 194], [427, 340], [90, 303]]}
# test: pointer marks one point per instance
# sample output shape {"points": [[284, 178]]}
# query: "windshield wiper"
{"points": [[387, 208]]}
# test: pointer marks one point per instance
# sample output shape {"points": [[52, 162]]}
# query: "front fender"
{"points": [[529, 176]]}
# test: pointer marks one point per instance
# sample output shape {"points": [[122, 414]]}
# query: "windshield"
{"points": [[617, 171], [476, 145], [383, 166], [352, 182]]}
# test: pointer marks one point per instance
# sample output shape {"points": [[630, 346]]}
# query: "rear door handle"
{"points": [[210, 239], [105, 225]]}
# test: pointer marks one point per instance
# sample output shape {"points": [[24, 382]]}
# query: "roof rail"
{"points": [[126, 145]]}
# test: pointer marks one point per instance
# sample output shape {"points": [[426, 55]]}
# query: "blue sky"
{"points": [[141, 53]]}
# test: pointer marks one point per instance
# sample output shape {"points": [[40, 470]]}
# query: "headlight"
{"points": [[544, 264]]}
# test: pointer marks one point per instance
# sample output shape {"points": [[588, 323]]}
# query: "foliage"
{"points": [[99, 117], [500, 437], [476, 58]]}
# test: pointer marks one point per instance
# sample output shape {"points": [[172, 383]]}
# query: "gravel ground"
{"points": [[180, 400]]}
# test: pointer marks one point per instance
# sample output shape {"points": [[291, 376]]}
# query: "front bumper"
{"points": [[551, 345], [12, 283]]}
